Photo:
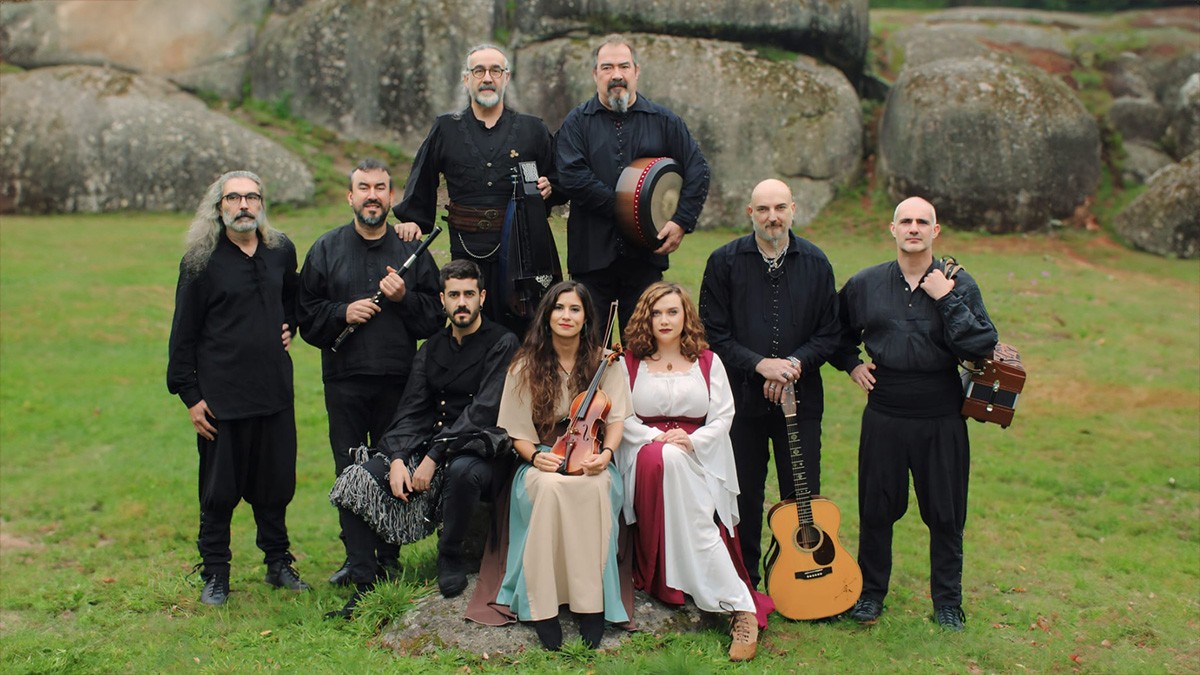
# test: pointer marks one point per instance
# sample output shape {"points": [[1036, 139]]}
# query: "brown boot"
{"points": [[744, 629]]}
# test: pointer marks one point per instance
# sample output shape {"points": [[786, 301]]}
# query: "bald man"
{"points": [[769, 307], [915, 325]]}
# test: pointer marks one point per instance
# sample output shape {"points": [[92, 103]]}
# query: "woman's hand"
{"points": [[597, 463], [679, 438], [546, 461]]}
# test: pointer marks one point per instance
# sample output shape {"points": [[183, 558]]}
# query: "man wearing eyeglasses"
{"points": [[229, 364], [477, 150], [343, 271], [597, 140]]}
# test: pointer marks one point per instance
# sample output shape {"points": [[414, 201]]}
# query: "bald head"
{"points": [[915, 205], [771, 189]]}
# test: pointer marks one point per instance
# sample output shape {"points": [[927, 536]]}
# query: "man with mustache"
{"points": [[769, 308], [448, 414], [597, 140], [235, 316], [916, 325], [477, 150], [363, 379]]}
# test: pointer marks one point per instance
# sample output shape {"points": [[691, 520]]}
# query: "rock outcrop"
{"points": [[88, 139], [1165, 219], [198, 45], [999, 147]]}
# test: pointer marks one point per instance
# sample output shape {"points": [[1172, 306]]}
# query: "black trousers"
{"points": [[753, 438], [252, 459], [360, 410], [494, 308], [624, 281], [468, 479], [938, 454]]}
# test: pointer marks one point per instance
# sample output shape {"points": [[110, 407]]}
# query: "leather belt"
{"points": [[470, 219]]}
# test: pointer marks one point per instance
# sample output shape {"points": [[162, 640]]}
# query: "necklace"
{"points": [[773, 262]]}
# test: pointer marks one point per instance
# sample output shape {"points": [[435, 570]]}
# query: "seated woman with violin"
{"points": [[562, 528], [677, 462]]}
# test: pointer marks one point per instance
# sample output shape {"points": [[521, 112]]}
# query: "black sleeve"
{"points": [[182, 377], [414, 414], [717, 315], [967, 328], [291, 283], [846, 356], [823, 342], [419, 204], [485, 405], [321, 317]]}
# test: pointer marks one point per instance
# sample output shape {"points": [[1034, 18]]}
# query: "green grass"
{"points": [[1081, 554]]}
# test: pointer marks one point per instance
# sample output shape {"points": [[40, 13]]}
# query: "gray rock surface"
{"points": [[754, 118], [1183, 131], [993, 146], [1165, 219], [436, 623], [370, 70], [198, 45], [834, 30], [1142, 162], [90, 139], [1138, 119]]}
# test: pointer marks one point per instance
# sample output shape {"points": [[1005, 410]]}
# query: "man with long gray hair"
{"points": [[479, 150], [229, 364]]}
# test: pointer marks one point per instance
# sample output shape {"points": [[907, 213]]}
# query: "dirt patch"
{"points": [[1045, 59], [1187, 18], [11, 542]]}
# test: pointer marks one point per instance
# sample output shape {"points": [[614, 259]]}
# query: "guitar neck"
{"points": [[799, 480]]}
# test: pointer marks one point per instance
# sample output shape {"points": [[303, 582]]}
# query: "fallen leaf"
{"points": [[1105, 643], [1040, 623], [109, 580], [196, 659], [1075, 658], [265, 633]]}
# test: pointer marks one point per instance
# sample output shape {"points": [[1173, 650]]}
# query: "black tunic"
{"points": [[453, 391], [226, 345], [478, 164], [914, 341], [342, 267], [750, 314]]}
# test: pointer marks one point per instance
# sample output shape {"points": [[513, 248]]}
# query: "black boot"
{"points": [[591, 629], [549, 631], [342, 576], [347, 610], [452, 575]]}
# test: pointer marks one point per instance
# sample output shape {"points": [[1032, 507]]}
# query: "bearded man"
{"points": [[447, 418], [598, 139], [769, 308], [229, 364], [477, 150], [345, 268]]}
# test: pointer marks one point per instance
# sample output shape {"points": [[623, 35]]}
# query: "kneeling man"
{"points": [[448, 413]]}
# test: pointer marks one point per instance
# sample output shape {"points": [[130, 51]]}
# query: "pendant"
{"points": [[669, 365]]}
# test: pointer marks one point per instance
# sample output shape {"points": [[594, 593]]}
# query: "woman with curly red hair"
{"points": [[677, 462]]}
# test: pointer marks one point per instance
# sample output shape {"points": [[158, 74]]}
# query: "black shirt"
{"points": [[342, 267], [750, 314], [226, 344], [593, 147], [914, 341], [478, 163], [453, 391]]}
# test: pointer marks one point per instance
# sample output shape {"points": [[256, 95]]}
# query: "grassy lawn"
{"points": [[1083, 539]]}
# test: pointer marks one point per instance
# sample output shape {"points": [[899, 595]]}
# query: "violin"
{"points": [[584, 435]]}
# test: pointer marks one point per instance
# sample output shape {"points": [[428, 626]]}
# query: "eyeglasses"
{"points": [[496, 72], [252, 198]]}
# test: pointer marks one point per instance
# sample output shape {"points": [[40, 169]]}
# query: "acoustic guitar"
{"points": [[809, 574]]}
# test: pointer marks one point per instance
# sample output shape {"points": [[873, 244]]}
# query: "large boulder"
{"points": [[754, 118], [835, 31], [994, 146], [370, 70], [1142, 161], [1138, 119], [88, 139], [198, 45], [1183, 131], [1165, 219]]}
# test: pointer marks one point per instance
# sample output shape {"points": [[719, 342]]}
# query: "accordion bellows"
{"points": [[991, 388]]}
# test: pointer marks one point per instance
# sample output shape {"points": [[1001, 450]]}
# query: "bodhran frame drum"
{"points": [[647, 196]]}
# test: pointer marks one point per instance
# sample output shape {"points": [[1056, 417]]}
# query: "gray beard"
{"points": [[491, 102], [244, 225], [619, 103]]}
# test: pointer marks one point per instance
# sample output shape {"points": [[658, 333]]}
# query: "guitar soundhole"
{"points": [[808, 537]]}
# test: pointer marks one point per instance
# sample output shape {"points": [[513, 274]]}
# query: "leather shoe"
{"points": [[342, 576], [950, 617], [452, 577], [866, 611], [281, 574], [347, 610], [216, 589]]}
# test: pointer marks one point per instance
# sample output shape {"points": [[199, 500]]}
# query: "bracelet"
{"points": [[614, 452]]}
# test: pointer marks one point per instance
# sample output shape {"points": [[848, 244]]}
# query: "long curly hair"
{"points": [[543, 377], [639, 334], [207, 227]]}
